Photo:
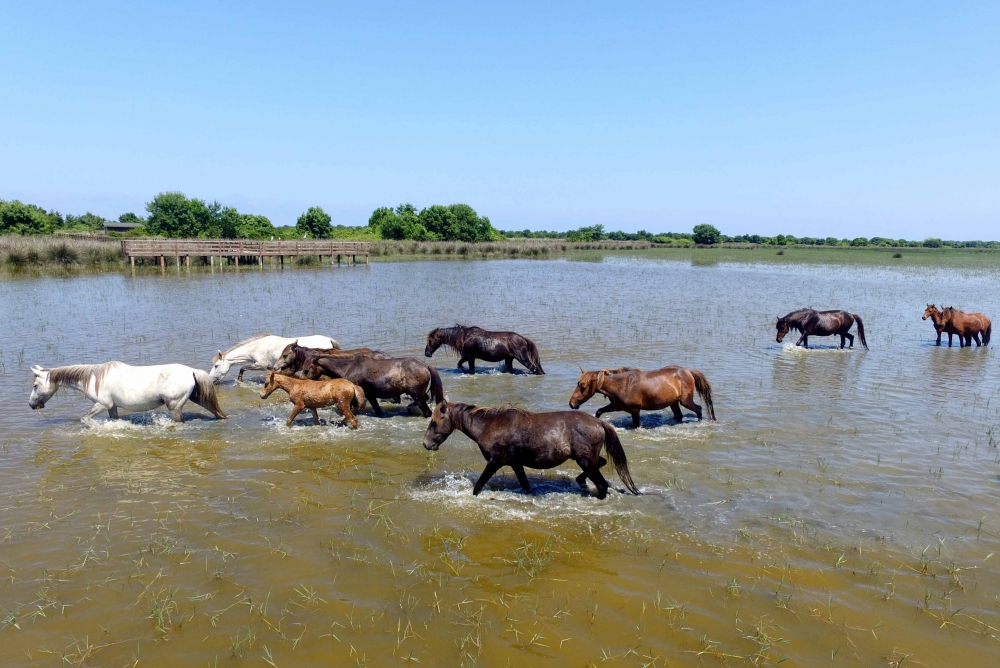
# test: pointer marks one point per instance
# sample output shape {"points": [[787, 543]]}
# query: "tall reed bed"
{"points": [[527, 248], [27, 252]]}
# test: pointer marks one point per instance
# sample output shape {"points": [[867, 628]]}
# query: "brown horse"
{"points": [[383, 378], [968, 326], [295, 357], [935, 315], [633, 390], [820, 323], [313, 394], [472, 343], [516, 438]]}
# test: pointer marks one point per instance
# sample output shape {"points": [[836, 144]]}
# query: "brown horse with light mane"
{"points": [[313, 394], [633, 390], [968, 326]]}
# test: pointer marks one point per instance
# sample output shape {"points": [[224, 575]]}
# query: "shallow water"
{"points": [[842, 511]]}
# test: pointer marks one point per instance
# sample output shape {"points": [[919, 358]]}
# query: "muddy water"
{"points": [[843, 511]]}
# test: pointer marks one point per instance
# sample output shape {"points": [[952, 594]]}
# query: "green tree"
{"points": [[859, 241], [932, 243], [171, 216], [19, 218], [315, 222], [131, 218], [250, 226], [706, 234]]}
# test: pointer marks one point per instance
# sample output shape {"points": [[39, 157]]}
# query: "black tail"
{"points": [[617, 454], [861, 330], [534, 363], [203, 394], [986, 334], [437, 390], [705, 390]]}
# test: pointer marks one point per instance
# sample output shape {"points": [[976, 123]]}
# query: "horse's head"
{"points": [[270, 385], [586, 387], [220, 367], [930, 312], [42, 388], [434, 341], [947, 313], [440, 427], [782, 326], [288, 361]]}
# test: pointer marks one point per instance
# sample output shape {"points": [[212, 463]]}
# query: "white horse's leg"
{"points": [[113, 412], [98, 407]]}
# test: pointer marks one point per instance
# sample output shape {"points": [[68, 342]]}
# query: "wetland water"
{"points": [[843, 510]]}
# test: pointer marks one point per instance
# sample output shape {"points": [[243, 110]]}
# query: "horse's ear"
{"points": [[37, 370], [582, 371], [221, 354]]}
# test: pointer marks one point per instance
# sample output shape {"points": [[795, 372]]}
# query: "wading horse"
{"points": [[820, 323], [313, 394], [115, 385], [295, 357], [380, 378], [516, 438], [633, 390], [934, 314], [260, 353], [968, 326], [472, 343]]}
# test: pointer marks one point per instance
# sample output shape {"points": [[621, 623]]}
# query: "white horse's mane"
{"points": [[241, 344], [80, 374]]}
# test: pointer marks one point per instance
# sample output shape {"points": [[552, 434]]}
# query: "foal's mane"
{"points": [[241, 343], [80, 374]]}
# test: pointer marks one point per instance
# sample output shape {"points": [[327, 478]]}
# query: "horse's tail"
{"points": [[617, 454], [204, 395], [987, 331], [705, 390], [360, 400], [437, 390], [535, 362], [861, 330]]}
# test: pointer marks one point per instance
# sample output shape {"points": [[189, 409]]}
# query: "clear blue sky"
{"points": [[819, 119]]}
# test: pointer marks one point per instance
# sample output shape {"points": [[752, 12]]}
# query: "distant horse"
{"points": [[261, 352], [935, 315], [115, 385], [516, 438], [472, 343], [820, 323], [968, 326], [632, 390], [313, 394], [383, 378], [295, 357]]}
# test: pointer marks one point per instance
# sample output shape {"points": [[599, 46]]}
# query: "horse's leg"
{"points": [[851, 337], [688, 402], [94, 411], [296, 409], [521, 477], [315, 416], [610, 408], [491, 468], [581, 480], [635, 418], [113, 412], [594, 473], [842, 340], [939, 338], [676, 408], [803, 341], [462, 360], [374, 403], [239, 376], [509, 361], [345, 407], [421, 400], [472, 365], [176, 414]]}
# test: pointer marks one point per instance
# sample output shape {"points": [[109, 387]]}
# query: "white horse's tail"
{"points": [[203, 394]]}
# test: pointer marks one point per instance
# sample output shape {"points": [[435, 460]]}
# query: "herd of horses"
{"points": [[316, 372]]}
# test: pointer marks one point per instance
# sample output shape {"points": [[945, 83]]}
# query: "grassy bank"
{"points": [[54, 254]]}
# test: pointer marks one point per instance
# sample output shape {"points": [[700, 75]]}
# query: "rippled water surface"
{"points": [[842, 511]]}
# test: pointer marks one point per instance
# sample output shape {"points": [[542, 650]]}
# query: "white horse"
{"points": [[115, 385], [261, 352]]}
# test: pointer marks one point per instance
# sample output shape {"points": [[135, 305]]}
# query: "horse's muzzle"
{"points": [[35, 407], [431, 445], [574, 404], [924, 317]]}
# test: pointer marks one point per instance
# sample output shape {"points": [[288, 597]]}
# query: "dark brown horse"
{"points": [[516, 438], [382, 378], [633, 390], [295, 357], [820, 323], [934, 314], [472, 343], [968, 326]]}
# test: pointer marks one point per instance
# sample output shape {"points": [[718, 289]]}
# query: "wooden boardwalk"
{"points": [[244, 248]]}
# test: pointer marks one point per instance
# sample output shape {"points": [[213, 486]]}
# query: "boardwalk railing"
{"points": [[237, 248]]}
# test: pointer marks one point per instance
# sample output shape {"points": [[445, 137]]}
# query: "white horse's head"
{"points": [[42, 388], [220, 367]]}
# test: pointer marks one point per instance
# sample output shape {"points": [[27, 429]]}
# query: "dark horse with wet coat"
{"points": [[820, 323], [472, 343], [294, 357], [516, 438], [386, 378]]}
